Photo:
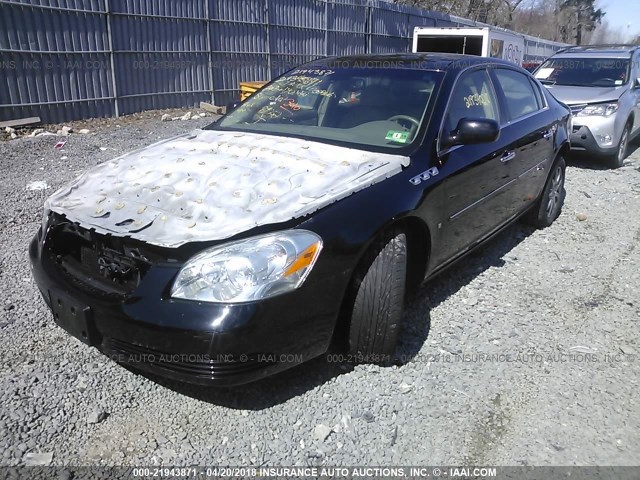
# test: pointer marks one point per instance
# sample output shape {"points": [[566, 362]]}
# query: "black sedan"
{"points": [[302, 217]]}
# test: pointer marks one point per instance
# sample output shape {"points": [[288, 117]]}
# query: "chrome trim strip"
{"points": [[495, 192], [483, 199], [535, 167]]}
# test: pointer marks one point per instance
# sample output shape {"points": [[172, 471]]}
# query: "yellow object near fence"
{"points": [[249, 88]]}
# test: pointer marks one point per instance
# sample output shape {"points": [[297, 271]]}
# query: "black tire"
{"points": [[617, 160], [378, 294], [549, 205]]}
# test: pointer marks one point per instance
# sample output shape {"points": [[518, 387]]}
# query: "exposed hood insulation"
{"points": [[212, 185]]}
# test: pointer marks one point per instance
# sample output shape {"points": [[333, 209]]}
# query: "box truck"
{"points": [[484, 41]]}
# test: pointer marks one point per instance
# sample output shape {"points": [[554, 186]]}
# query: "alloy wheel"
{"points": [[622, 151], [557, 182]]}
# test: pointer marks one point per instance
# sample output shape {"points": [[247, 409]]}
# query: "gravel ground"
{"points": [[561, 307]]}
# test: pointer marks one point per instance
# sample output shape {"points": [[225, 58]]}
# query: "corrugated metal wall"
{"points": [[71, 59]]}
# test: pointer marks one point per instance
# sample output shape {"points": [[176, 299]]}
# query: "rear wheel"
{"points": [[617, 160], [549, 206], [378, 293]]}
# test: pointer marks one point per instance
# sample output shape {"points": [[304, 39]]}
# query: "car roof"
{"points": [[608, 51], [418, 61]]}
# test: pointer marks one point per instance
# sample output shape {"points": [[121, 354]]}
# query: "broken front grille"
{"points": [[101, 265]]}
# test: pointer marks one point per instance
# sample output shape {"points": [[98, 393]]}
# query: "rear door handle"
{"points": [[508, 156]]}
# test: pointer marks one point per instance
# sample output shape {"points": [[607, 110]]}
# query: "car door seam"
{"points": [[482, 200]]}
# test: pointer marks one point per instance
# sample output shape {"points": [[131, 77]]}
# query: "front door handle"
{"points": [[508, 156]]}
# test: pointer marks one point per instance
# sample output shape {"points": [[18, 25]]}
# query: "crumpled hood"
{"points": [[576, 95], [212, 185]]}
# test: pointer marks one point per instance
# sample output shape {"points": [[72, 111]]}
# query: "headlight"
{"points": [[600, 109], [248, 270]]}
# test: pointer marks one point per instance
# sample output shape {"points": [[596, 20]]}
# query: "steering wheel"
{"points": [[415, 122]]}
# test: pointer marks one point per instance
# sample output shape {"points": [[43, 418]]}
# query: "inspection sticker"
{"points": [[398, 137]]}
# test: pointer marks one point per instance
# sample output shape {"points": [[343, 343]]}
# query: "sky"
{"points": [[621, 13]]}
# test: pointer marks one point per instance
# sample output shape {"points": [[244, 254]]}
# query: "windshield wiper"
{"points": [[547, 82]]}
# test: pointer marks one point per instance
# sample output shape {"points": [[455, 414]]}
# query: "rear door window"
{"points": [[521, 99]]}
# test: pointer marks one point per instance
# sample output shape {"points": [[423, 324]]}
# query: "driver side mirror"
{"points": [[636, 83], [471, 131]]}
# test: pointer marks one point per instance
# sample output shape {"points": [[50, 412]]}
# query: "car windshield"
{"points": [[372, 107], [584, 72]]}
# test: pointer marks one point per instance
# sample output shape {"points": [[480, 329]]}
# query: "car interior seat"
{"points": [[374, 105]]}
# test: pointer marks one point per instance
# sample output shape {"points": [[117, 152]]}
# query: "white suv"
{"points": [[601, 85]]}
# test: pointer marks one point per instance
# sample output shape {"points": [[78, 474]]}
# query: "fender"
{"points": [[426, 175]]}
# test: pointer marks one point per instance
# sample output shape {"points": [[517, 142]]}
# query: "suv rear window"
{"points": [[584, 72]]}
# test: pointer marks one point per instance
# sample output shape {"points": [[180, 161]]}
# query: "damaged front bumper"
{"points": [[597, 134], [136, 322]]}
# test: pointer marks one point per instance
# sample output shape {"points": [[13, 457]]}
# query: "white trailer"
{"points": [[482, 41]]}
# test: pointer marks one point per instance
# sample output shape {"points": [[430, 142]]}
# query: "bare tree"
{"points": [[584, 17], [450, 7], [502, 13], [537, 19], [561, 20], [604, 33], [511, 6]]}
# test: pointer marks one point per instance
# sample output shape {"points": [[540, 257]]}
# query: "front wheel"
{"points": [[379, 289], [617, 160], [549, 206]]}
